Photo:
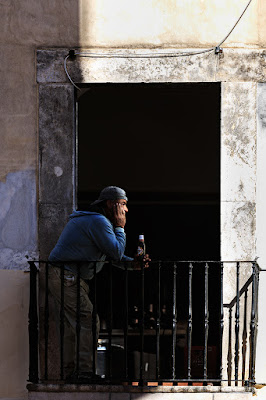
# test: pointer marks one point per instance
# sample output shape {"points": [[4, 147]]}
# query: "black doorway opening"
{"points": [[161, 143]]}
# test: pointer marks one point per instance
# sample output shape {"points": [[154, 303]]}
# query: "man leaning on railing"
{"points": [[88, 236]]}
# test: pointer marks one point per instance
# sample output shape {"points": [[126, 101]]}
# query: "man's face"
{"points": [[110, 205], [123, 203]]}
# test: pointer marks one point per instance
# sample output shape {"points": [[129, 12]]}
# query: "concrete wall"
{"points": [[174, 23], [14, 299], [27, 25]]}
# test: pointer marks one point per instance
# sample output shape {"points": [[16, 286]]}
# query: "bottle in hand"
{"points": [[141, 249]]}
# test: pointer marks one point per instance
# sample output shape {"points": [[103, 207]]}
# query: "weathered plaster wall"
{"points": [[18, 108], [25, 25], [168, 23], [14, 303], [18, 234], [238, 171]]}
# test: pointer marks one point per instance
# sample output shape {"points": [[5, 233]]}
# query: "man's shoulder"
{"points": [[80, 215], [100, 218], [93, 217]]}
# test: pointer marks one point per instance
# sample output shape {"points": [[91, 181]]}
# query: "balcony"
{"points": [[199, 335]]}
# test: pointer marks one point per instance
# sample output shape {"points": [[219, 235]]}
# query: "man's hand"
{"points": [[119, 215], [145, 261]]}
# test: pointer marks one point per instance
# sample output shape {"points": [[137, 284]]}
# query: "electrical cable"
{"points": [[234, 25], [148, 55], [142, 55], [66, 71]]}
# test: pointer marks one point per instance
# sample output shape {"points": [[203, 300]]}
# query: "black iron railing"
{"points": [[251, 285], [192, 343]]}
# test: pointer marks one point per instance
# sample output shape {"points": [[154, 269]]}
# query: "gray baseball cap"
{"points": [[111, 193]]}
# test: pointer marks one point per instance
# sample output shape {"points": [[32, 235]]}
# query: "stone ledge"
{"points": [[235, 65], [96, 392], [70, 388]]}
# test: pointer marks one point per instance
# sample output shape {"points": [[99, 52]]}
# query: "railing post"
{"points": [[221, 322], [78, 325], [244, 338], [110, 320], [256, 304], [229, 354], [174, 322], [141, 326], [126, 323], [158, 324], [206, 322], [33, 327], [62, 321], [46, 323], [94, 319], [189, 319], [237, 325], [253, 326]]}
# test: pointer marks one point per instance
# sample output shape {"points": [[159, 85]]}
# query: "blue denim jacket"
{"points": [[89, 236]]}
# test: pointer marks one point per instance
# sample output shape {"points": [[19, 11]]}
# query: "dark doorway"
{"points": [[161, 143]]}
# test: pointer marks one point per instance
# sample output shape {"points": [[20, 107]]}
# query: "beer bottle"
{"points": [[141, 249]]}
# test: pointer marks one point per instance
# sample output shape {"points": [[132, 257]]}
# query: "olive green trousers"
{"points": [[70, 321]]}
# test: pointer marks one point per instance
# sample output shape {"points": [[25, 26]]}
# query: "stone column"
{"points": [[56, 189], [261, 232], [56, 161], [238, 204]]}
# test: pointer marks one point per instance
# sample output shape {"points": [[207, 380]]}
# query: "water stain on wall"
{"points": [[18, 220]]}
